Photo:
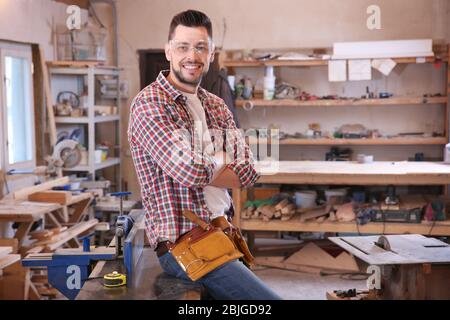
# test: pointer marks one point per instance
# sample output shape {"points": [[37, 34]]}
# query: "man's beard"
{"points": [[179, 75]]}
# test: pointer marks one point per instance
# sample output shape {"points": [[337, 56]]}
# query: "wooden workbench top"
{"points": [[18, 210], [336, 172]]}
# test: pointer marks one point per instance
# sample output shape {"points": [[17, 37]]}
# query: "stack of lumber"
{"points": [[283, 210], [40, 280], [50, 240]]}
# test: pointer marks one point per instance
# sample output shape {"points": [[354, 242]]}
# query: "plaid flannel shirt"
{"points": [[170, 169]]}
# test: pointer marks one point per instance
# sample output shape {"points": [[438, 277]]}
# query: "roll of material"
{"points": [[248, 105]]}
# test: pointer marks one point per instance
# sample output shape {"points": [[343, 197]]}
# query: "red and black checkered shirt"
{"points": [[170, 170]]}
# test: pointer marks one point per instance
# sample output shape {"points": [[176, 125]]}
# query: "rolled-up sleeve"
{"points": [[168, 145], [242, 163]]}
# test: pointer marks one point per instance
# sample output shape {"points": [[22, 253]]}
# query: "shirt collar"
{"points": [[174, 92]]}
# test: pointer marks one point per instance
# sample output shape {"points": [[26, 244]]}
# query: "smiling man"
{"points": [[187, 152]]}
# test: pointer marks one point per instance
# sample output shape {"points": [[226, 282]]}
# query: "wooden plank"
{"points": [[21, 211], [438, 228], [411, 101], [364, 141], [48, 98], [61, 197], [72, 233], [80, 197], [80, 211], [8, 260], [73, 64], [305, 63], [314, 213], [53, 220], [94, 251], [4, 251], [376, 173], [13, 243], [22, 231], [25, 192]]}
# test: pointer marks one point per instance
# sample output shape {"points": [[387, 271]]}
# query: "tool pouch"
{"points": [[236, 237], [203, 249]]}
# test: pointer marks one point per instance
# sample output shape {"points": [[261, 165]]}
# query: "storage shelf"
{"points": [[84, 71], [97, 119], [361, 142], [98, 166], [294, 224], [306, 63], [343, 102]]}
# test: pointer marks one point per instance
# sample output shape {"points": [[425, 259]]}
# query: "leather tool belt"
{"points": [[208, 246]]}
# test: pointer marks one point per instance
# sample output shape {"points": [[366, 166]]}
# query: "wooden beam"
{"points": [[61, 197], [80, 211], [22, 231], [48, 98], [25, 192], [13, 243]]}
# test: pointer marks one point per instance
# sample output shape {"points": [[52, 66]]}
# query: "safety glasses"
{"points": [[183, 47]]}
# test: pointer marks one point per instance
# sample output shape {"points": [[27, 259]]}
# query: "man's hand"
{"points": [[226, 178]]}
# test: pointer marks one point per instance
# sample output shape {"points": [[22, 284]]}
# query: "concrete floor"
{"points": [[292, 285]]}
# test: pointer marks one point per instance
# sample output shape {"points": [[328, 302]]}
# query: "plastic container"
{"points": [[269, 84], [335, 193], [305, 199]]}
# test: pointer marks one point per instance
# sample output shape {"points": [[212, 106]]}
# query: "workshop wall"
{"points": [[30, 21], [143, 24]]}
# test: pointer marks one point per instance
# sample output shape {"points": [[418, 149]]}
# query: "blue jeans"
{"points": [[231, 281]]}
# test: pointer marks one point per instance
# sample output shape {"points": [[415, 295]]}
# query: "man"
{"points": [[181, 165]]}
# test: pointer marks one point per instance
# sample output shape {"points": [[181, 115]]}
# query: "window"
{"points": [[17, 113]]}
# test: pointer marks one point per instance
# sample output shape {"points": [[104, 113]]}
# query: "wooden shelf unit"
{"points": [[397, 101], [84, 74], [347, 173], [394, 101], [325, 173], [310, 63]]}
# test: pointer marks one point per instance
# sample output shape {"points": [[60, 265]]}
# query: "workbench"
{"points": [[410, 266], [148, 282], [25, 213], [345, 173]]}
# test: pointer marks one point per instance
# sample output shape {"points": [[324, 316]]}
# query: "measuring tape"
{"points": [[114, 279]]}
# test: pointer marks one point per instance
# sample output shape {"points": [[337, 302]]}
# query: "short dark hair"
{"points": [[190, 18]]}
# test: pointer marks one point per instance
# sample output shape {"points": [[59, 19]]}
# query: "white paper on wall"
{"points": [[337, 70], [359, 70], [385, 66]]}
